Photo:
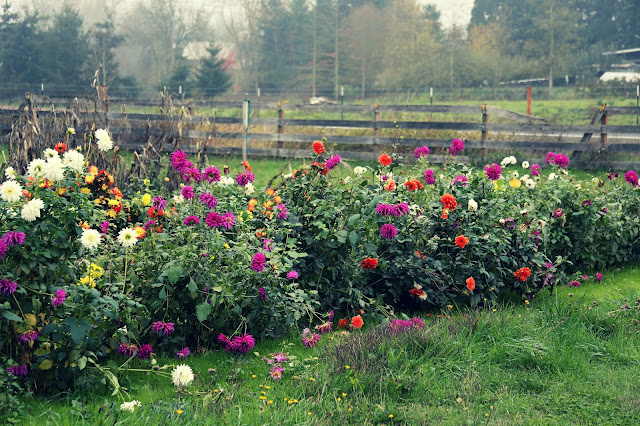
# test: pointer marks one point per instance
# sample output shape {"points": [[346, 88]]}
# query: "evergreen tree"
{"points": [[66, 51], [183, 77], [20, 49], [104, 41], [212, 79]]}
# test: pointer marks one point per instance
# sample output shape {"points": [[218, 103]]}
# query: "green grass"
{"points": [[568, 357]]}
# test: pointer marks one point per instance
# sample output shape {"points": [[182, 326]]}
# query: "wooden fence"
{"points": [[277, 130]]}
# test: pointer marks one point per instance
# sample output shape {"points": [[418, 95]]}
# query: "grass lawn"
{"points": [[568, 357]]}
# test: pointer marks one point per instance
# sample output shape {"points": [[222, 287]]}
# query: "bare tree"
{"points": [[162, 29]]}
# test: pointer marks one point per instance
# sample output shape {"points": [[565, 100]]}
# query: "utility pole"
{"points": [[315, 49], [337, 49]]}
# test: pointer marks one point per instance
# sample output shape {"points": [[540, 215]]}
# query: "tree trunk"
{"points": [[551, 49], [364, 73]]}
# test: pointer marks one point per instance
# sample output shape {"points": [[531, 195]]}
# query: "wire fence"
{"points": [[345, 94]]}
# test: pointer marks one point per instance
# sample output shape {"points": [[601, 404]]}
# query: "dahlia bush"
{"points": [[87, 274]]}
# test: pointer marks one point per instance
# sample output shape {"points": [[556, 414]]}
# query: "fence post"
{"points": [[604, 121], [376, 129], [484, 133], [280, 125], [245, 125]]}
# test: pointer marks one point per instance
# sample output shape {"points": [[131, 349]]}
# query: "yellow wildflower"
{"points": [[515, 183], [146, 199], [85, 190]]}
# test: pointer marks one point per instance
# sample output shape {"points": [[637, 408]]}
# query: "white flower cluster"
{"points": [[359, 170], [104, 140], [10, 173], [226, 181], [31, 210], [90, 239], [472, 205], [528, 182], [182, 375], [249, 189], [128, 237], [74, 160], [10, 191], [506, 161], [130, 406]]}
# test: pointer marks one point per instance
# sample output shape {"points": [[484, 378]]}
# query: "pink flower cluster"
{"points": [[457, 145], [244, 178], [58, 298], [216, 220], [332, 162], [429, 177], [163, 328], [493, 171], [421, 151], [183, 353], [275, 360], [28, 336], [8, 287], [398, 325], [240, 344], [258, 262], [396, 210], [310, 339]]}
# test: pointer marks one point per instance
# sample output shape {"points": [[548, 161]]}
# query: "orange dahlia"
{"points": [[413, 185], [357, 322], [384, 160], [369, 263], [461, 241], [449, 201], [318, 147], [416, 292], [471, 284], [522, 274]]}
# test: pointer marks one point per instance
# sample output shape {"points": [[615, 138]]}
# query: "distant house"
{"points": [[628, 67], [194, 51]]}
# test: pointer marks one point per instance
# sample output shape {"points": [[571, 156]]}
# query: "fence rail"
{"points": [[291, 136]]}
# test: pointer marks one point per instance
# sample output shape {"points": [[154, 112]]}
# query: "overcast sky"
{"points": [[458, 11], [453, 11]]}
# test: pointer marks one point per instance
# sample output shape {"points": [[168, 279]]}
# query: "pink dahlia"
{"points": [[258, 262]]}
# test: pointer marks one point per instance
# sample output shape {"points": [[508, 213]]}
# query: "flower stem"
{"points": [[124, 279]]}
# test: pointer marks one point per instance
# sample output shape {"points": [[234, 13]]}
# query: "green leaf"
{"points": [[217, 289], [77, 330], [82, 363], [353, 238], [49, 328], [203, 310], [11, 316], [175, 274], [193, 287], [45, 365]]}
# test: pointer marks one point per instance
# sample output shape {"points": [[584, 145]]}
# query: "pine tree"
{"points": [[212, 78]]}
